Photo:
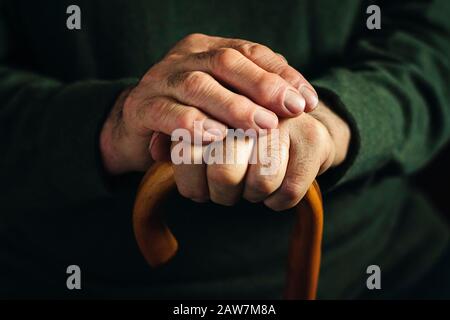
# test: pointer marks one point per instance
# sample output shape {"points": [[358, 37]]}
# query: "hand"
{"points": [[215, 81], [308, 146]]}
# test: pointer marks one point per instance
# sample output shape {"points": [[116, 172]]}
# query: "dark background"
{"points": [[434, 180]]}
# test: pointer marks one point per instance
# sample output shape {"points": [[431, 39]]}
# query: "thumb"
{"points": [[159, 147]]}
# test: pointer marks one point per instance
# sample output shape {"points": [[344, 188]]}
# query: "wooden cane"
{"points": [[157, 243]]}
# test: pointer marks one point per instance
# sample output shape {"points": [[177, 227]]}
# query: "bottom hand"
{"points": [[288, 159]]}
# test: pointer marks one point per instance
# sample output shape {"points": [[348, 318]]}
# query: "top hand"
{"points": [[193, 83]]}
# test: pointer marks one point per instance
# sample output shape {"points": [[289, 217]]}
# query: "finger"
{"points": [[168, 116], [302, 169], [226, 174], [266, 175], [203, 91], [311, 97], [195, 42], [270, 61], [282, 57], [276, 63], [159, 146], [190, 176], [232, 68], [259, 54]]}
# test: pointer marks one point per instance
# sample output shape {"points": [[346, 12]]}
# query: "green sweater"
{"points": [[58, 207]]}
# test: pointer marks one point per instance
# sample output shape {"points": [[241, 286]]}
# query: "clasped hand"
{"points": [[226, 83]]}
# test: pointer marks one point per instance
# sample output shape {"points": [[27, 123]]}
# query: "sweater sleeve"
{"points": [[393, 90], [49, 136]]}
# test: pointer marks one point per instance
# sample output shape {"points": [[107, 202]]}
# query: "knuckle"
{"points": [[174, 80], [268, 86], [130, 106], [193, 37], [261, 187], [194, 82], [222, 175], [171, 58], [259, 52], [194, 79], [205, 55], [314, 132], [158, 108], [224, 59], [253, 50], [154, 74], [282, 57], [272, 163], [240, 110], [291, 191], [290, 74], [186, 118]]}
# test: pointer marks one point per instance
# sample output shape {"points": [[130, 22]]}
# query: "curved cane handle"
{"points": [[157, 243], [305, 247], [155, 240]]}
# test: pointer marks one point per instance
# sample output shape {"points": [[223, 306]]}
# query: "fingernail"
{"points": [[213, 130], [265, 119], [152, 140], [294, 102], [310, 97]]}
